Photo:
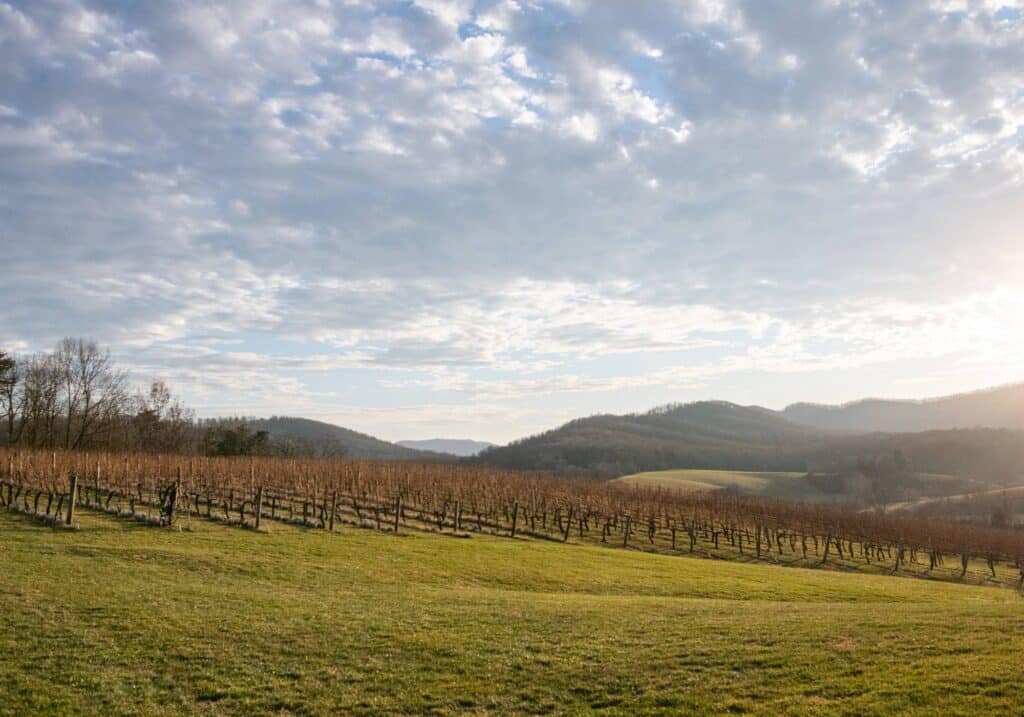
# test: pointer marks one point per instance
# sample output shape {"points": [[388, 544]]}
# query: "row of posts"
{"points": [[172, 499]]}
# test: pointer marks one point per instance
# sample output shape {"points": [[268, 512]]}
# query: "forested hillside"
{"points": [[1001, 407], [710, 434], [324, 439], [726, 436]]}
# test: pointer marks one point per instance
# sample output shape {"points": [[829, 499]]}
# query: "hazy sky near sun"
{"points": [[442, 217]]}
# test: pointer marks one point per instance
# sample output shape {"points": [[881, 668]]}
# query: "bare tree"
{"points": [[8, 394], [39, 401], [161, 422], [76, 398], [94, 393]]}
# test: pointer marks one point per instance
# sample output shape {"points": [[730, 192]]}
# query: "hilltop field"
{"points": [[767, 484], [788, 486], [121, 618]]}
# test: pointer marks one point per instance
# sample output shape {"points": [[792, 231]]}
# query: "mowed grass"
{"points": [[119, 618], [787, 486]]}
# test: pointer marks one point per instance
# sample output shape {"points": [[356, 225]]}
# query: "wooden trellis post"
{"points": [[172, 501], [259, 506], [73, 492]]}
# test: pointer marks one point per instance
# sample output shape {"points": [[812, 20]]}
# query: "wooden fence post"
{"points": [[515, 516], [398, 511], [259, 506], [172, 502], [73, 479], [334, 509], [177, 489]]}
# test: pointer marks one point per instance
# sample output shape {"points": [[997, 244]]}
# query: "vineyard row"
{"points": [[164, 489]]}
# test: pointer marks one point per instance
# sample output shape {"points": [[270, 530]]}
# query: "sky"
{"points": [[482, 219]]}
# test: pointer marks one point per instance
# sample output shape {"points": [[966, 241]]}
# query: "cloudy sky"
{"points": [[442, 217]]}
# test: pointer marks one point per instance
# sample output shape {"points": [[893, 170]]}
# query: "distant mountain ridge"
{"points": [[979, 434], [327, 439], [1000, 407], [462, 447], [706, 434]]}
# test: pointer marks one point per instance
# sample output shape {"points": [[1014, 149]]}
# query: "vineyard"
{"points": [[173, 490]]}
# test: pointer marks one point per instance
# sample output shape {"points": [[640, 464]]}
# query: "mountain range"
{"points": [[1001, 407], [707, 434], [979, 433]]}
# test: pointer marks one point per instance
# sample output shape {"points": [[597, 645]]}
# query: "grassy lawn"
{"points": [[118, 618]]}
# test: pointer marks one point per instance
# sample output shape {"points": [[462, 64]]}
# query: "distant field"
{"points": [[788, 486], [785, 486], [119, 618]]}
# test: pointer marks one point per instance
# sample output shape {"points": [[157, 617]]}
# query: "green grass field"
{"points": [[788, 486], [119, 618]]}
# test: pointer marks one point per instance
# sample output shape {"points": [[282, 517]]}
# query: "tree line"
{"points": [[75, 397]]}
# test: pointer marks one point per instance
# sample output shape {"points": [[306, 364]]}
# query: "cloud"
{"points": [[582, 126], [454, 204]]}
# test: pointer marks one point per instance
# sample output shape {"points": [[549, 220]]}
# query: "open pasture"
{"points": [[122, 618]]}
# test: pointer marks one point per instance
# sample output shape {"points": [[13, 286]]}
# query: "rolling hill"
{"points": [[708, 434], [327, 439], [714, 435]]}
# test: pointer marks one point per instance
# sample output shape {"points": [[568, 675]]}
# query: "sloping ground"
{"points": [[120, 619], [785, 486], [1010, 492], [1000, 506]]}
